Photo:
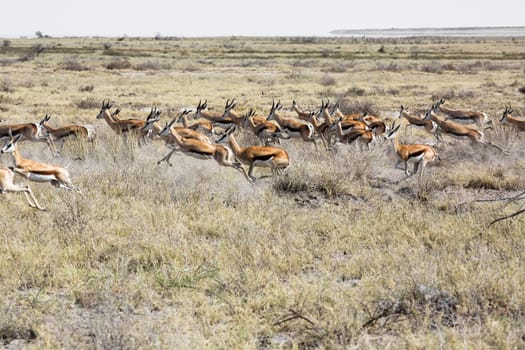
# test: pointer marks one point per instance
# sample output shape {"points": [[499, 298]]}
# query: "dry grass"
{"points": [[340, 252]]}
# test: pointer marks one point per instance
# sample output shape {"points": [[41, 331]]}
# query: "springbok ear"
{"points": [[17, 137]]}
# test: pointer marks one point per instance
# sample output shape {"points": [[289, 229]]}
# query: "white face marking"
{"points": [[8, 148]]}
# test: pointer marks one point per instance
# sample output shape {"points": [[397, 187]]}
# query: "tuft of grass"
{"points": [[74, 65], [118, 63]]}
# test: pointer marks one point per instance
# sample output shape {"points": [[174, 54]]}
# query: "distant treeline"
{"points": [[410, 32]]}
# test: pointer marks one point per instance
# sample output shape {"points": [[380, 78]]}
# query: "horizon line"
{"points": [[328, 34]]}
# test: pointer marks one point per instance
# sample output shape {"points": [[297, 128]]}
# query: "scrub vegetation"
{"points": [[342, 251]]}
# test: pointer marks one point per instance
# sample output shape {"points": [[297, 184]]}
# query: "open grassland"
{"points": [[342, 251]]}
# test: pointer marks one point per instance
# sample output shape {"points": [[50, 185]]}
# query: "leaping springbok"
{"points": [[263, 156], [7, 185], [81, 132], [460, 131], [202, 150], [462, 116], [29, 131], [36, 171], [419, 154]]}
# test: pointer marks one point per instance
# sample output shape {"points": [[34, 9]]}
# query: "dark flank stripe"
{"points": [[293, 129], [265, 157], [416, 154], [456, 133], [202, 153], [130, 128], [419, 122]]}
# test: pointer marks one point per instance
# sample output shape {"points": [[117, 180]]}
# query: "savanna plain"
{"points": [[342, 251]]}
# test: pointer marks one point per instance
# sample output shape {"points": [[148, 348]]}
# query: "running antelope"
{"points": [[508, 119], [344, 125], [218, 119], [85, 132], [370, 119], [124, 126], [7, 185], [36, 171], [231, 117], [291, 126], [267, 131], [419, 154], [417, 121], [29, 131], [462, 116], [303, 115], [165, 134], [202, 126], [459, 131], [202, 150], [336, 112], [364, 136], [262, 156], [326, 128]]}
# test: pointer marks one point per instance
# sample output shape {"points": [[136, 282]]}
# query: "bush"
{"points": [[150, 65], [74, 65], [327, 80], [119, 63], [6, 85], [355, 91], [86, 88], [89, 103], [433, 67]]}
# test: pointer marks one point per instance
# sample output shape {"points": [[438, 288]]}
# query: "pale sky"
{"points": [[189, 18]]}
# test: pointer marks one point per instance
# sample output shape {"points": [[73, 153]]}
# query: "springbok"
{"points": [[7, 185], [230, 117], [29, 131], [125, 126], [83, 132], [153, 127], [202, 126], [291, 126], [364, 136], [36, 171], [216, 118], [202, 150], [303, 115], [419, 154], [325, 128], [267, 131], [508, 119], [417, 121], [460, 131], [462, 116], [263, 156]]}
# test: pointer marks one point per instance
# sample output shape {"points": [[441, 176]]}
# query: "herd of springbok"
{"points": [[212, 135]]}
